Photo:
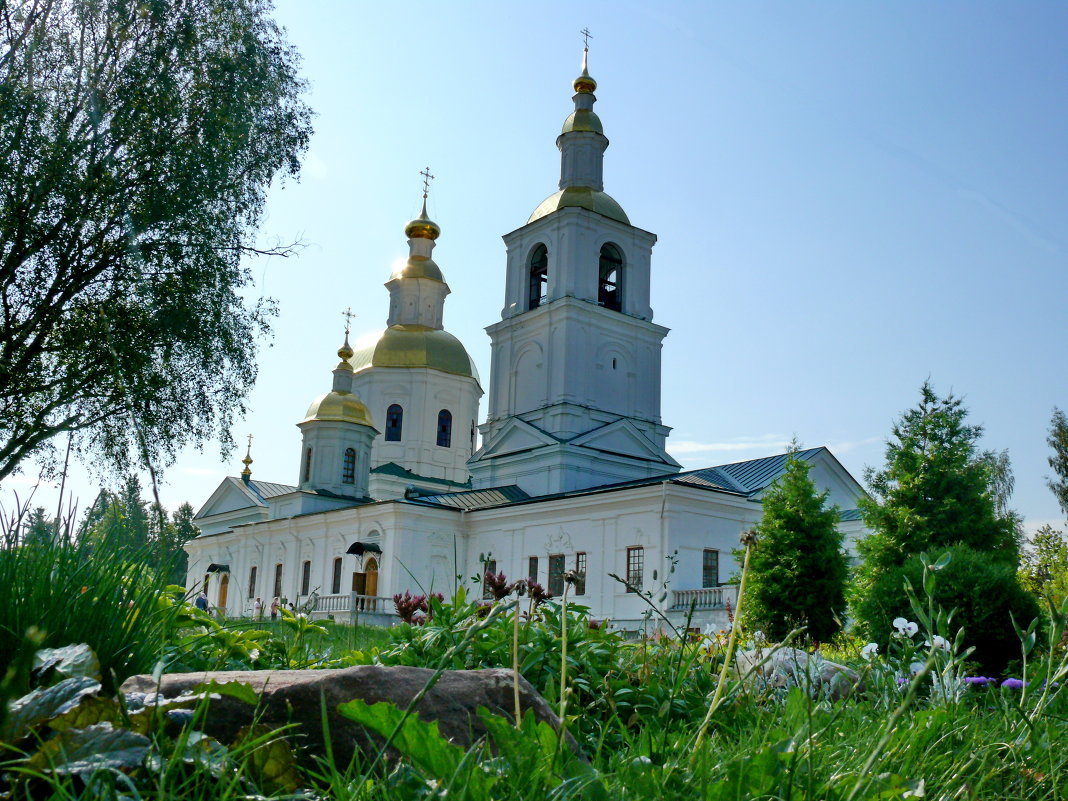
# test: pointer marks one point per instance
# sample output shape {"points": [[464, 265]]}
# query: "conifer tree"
{"points": [[938, 492], [1058, 440], [798, 570]]}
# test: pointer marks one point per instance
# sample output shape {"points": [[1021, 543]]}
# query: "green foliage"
{"points": [[984, 596], [1058, 441], [139, 141], [103, 596], [65, 739], [798, 571], [1044, 565], [936, 491]]}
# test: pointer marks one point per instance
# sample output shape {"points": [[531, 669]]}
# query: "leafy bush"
{"points": [[984, 594]]}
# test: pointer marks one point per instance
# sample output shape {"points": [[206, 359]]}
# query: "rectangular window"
{"points": [[635, 568], [305, 578], [532, 568], [710, 568], [580, 570], [252, 582], [556, 574], [207, 582], [491, 568], [278, 580], [335, 581]]}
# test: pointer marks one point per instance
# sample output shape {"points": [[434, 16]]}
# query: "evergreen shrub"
{"points": [[983, 593]]}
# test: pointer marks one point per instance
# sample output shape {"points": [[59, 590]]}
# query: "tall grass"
{"points": [[71, 593]]}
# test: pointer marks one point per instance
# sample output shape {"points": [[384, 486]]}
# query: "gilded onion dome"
{"points": [[422, 227], [584, 198], [339, 407], [416, 346]]}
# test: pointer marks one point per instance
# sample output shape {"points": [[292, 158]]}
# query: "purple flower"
{"points": [[1013, 684], [978, 681]]}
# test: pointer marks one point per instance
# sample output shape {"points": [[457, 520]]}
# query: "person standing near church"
{"points": [[257, 609], [201, 602], [274, 609]]}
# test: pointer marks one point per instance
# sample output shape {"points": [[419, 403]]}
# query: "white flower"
{"points": [[758, 637], [916, 667], [870, 650], [905, 628], [939, 642]]}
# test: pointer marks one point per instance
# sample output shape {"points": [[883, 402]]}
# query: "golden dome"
{"points": [[418, 267], [345, 351], [414, 346], [582, 120], [584, 198], [584, 84], [341, 407], [422, 227]]}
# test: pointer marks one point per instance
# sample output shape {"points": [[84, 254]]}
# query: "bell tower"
{"points": [[574, 395]]}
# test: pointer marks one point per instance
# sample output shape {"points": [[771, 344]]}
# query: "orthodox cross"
{"points": [[427, 178], [586, 36], [249, 443], [348, 315]]}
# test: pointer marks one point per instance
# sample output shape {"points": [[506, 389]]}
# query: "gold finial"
{"points": [[345, 351], [422, 227], [246, 474], [584, 84]]}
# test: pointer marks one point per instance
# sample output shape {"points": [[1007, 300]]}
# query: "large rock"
{"points": [[296, 696], [787, 667]]}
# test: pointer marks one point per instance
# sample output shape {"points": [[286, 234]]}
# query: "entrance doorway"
{"points": [[224, 588]]}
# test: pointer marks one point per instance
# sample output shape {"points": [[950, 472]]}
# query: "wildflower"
{"points": [[1013, 684], [748, 538], [905, 628], [939, 642], [84, 590], [759, 638], [916, 667], [870, 650], [978, 681]]}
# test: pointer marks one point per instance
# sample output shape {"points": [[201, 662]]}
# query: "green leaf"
{"points": [[419, 741], [91, 710], [271, 762], [67, 662], [43, 704], [231, 689], [97, 747]]}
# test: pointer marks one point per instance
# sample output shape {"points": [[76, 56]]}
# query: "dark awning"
{"points": [[360, 548], [214, 568]]}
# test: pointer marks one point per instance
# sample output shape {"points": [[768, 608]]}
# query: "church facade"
{"points": [[572, 473]]}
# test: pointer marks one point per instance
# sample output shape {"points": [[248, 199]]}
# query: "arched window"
{"points": [[444, 428], [610, 278], [252, 582], [348, 468], [335, 580], [539, 277], [394, 422], [307, 465], [305, 577]]}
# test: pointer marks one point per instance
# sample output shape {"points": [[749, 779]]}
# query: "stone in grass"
{"points": [[790, 667], [293, 697]]}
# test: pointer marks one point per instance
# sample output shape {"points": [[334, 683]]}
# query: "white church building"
{"points": [[572, 472]]}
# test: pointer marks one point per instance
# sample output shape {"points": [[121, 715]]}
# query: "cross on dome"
{"points": [[427, 178], [348, 315], [586, 36]]}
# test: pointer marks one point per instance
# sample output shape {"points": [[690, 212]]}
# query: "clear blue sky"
{"points": [[849, 198]]}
